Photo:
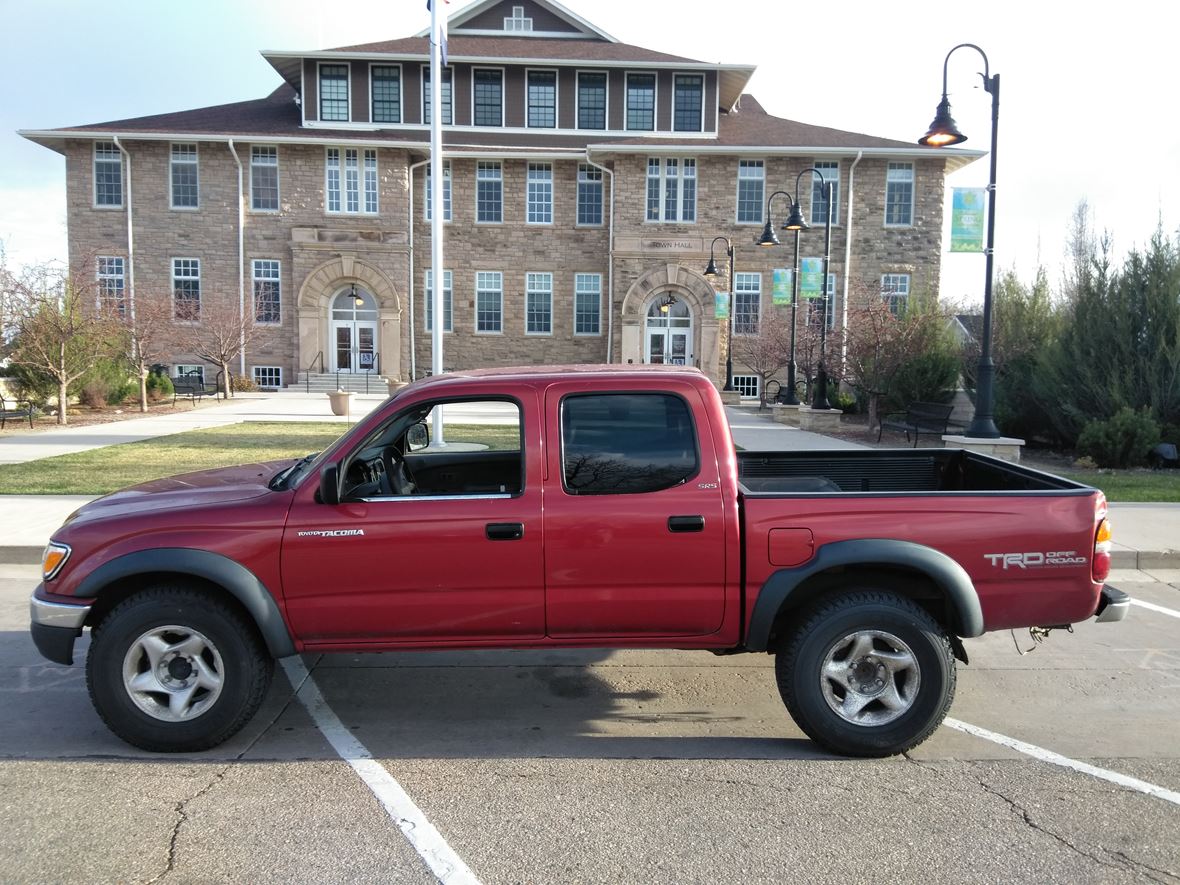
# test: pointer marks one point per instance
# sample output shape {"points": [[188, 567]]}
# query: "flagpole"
{"points": [[437, 208]]}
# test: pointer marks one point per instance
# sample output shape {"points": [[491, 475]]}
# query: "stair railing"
{"points": [[319, 357]]}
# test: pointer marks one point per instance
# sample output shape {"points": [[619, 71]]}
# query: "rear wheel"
{"points": [[175, 670], [866, 673]]}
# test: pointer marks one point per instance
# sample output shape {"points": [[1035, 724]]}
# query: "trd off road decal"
{"points": [[1055, 559]]}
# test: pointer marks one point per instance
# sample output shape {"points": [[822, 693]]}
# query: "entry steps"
{"points": [[328, 381]]}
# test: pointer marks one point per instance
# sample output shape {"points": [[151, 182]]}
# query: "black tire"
{"points": [[866, 673], [176, 670]]}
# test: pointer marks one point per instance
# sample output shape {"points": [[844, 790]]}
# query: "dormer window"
{"points": [[334, 92], [688, 101], [518, 22], [641, 102], [489, 97]]}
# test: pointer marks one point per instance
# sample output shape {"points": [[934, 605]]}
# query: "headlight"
{"points": [[53, 559]]}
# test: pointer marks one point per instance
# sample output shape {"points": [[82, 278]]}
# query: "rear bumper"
{"points": [[54, 627], [1112, 606]]}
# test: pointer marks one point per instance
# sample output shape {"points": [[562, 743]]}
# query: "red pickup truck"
{"points": [[583, 506]]}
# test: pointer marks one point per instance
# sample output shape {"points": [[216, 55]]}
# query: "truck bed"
{"points": [[892, 471]]}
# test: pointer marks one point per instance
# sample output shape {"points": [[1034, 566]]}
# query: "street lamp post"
{"points": [[711, 271], [944, 132], [795, 222]]}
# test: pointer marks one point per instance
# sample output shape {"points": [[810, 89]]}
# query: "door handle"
{"points": [[686, 523], [504, 531]]}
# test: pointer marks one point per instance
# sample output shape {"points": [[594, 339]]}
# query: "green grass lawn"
{"points": [[1131, 485], [104, 470]]}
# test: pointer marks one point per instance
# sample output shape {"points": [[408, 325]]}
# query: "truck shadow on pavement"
{"points": [[582, 704]]}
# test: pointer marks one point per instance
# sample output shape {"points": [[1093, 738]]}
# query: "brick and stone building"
{"points": [[588, 180]]}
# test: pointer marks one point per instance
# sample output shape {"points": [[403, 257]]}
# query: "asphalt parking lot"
{"points": [[591, 766]]}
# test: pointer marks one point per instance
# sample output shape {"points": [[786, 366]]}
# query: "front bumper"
{"points": [[1112, 606], [54, 627]]}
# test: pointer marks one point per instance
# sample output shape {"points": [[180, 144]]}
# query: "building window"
{"points": [[268, 377], [747, 303], [267, 291], [264, 179], [519, 21], [589, 195], [186, 289], [334, 92], [641, 102], [489, 192], [542, 99], [387, 93], [444, 97], [671, 189], [351, 175], [489, 302], [895, 291], [446, 191], [747, 385], [588, 304], [108, 175], [817, 308], [488, 96], [899, 195], [819, 206], [196, 373], [184, 185], [538, 304], [112, 284], [591, 101], [448, 301], [688, 102], [751, 191], [540, 193]]}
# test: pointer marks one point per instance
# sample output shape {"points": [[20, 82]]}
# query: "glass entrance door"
{"points": [[354, 333], [668, 334]]}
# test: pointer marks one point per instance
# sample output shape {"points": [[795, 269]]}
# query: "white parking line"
{"points": [[1156, 608], [1052, 758], [419, 832]]}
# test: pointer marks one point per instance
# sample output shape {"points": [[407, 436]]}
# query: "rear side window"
{"points": [[626, 443]]}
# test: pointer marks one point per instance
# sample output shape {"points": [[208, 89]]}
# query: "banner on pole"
{"points": [[721, 302], [967, 216], [782, 285], [811, 275]]}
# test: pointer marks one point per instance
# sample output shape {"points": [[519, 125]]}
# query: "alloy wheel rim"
{"points": [[870, 678], [173, 673]]}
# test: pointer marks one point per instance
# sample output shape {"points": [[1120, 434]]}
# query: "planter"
{"points": [[341, 401]]}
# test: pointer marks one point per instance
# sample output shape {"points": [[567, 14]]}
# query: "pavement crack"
{"points": [[1145, 869], [181, 810], [1028, 820]]}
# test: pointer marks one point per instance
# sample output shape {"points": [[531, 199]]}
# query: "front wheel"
{"points": [[175, 670], [866, 673]]}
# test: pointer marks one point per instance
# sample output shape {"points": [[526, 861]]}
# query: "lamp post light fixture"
{"points": [[796, 223], [944, 132], [711, 271]]}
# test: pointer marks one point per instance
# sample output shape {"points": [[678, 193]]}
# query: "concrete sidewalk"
{"points": [[1147, 536]]}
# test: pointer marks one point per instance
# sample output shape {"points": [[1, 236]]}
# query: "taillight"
{"points": [[1101, 568]]}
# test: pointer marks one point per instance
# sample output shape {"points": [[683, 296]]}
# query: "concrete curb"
{"points": [[21, 555]]}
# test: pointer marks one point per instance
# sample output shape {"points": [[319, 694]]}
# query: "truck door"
{"points": [[635, 535], [429, 542]]}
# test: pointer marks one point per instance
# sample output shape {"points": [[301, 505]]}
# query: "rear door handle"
{"points": [[504, 531], [686, 523]]}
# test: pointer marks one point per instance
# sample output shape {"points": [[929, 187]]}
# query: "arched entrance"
{"points": [[667, 332], [353, 322]]}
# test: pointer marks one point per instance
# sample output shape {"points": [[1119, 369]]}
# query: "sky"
{"points": [[1081, 82]]}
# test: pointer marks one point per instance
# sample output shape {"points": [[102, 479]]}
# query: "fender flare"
{"points": [[235, 578], [950, 577]]}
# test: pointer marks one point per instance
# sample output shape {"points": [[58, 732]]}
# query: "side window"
{"points": [[626, 443], [482, 454]]}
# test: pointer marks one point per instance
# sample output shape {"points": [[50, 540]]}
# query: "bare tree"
{"points": [[768, 350], [145, 326], [220, 332], [61, 329]]}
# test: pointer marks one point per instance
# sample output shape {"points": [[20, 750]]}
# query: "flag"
{"points": [[442, 32]]}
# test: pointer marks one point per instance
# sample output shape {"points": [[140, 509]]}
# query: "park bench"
{"points": [[918, 418], [18, 410], [189, 385]]}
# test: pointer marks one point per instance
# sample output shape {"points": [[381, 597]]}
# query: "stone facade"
{"points": [[385, 254]]}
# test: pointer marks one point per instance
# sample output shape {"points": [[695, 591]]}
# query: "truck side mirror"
{"points": [[417, 438], [330, 485]]}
